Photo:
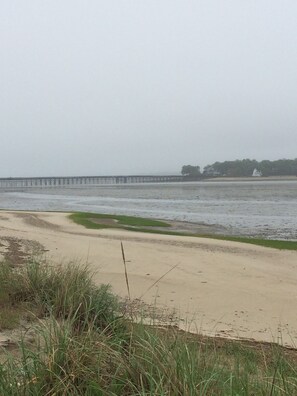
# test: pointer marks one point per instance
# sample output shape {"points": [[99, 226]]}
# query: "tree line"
{"points": [[242, 168]]}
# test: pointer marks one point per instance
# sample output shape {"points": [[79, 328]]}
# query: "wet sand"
{"points": [[214, 287]]}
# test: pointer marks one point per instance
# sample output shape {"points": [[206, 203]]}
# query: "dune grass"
{"points": [[61, 291], [84, 345]]}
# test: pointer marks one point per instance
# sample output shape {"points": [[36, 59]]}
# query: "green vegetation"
{"points": [[245, 168], [66, 292], [190, 171], [97, 221], [139, 224], [84, 345], [271, 243]]}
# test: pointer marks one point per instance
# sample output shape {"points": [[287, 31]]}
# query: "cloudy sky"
{"points": [[145, 86]]}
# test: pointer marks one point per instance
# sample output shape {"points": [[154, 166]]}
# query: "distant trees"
{"points": [[279, 167], [243, 168], [237, 168], [191, 171]]}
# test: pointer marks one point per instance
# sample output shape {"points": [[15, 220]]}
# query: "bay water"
{"points": [[252, 208]]}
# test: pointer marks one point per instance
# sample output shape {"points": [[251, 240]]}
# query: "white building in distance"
{"points": [[256, 173]]}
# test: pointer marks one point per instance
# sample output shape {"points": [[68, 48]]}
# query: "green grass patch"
{"points": [[92, 220], [270, 243]]}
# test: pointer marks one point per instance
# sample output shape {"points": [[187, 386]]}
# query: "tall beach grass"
{"points": [[84, 345]]}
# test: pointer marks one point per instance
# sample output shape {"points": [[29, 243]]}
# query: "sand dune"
{"points": [[215, 287]]}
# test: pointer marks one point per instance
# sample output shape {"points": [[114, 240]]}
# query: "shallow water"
{"points": [[248, 208]]}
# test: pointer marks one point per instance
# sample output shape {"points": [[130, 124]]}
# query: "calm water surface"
{"points": [[248, 208]]}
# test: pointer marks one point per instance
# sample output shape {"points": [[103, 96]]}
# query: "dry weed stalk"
{"points": [[126, 273]]}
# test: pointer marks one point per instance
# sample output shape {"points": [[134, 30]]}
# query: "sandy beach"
{"points": [[218, 288]]}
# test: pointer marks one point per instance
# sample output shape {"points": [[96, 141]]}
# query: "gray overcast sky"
{"points": [[145, 86]]}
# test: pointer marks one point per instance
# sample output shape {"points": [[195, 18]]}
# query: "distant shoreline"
{"points": [[251, 178]]}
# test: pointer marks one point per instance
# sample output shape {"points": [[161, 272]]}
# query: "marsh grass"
{"points": [[155, 227], [83, 346], [271, 243], [125, 222]]}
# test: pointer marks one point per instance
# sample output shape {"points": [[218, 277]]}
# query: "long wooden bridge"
{"points": [[29, 182]]}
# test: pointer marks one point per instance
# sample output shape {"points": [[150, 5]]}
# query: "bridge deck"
{"points": [[26, 182]]}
